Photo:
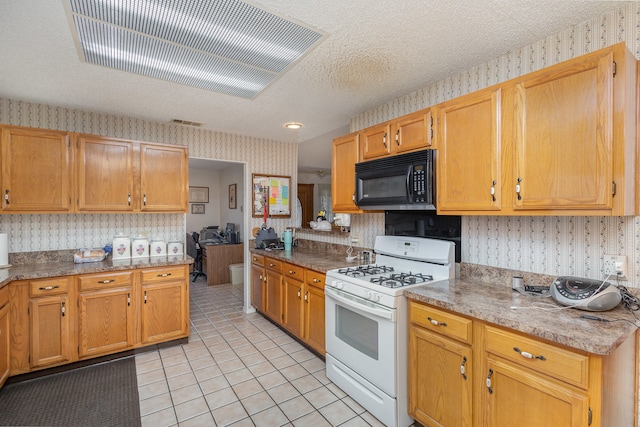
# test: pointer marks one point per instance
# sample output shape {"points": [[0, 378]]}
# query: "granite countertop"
{"points": [[56, 269], [492, 303], [319, 261]]}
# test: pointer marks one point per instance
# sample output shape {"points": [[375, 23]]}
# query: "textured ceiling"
{"points": [[375, 51]]}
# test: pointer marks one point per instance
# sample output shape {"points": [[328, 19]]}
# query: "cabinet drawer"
{"points": [[273, 264], [440, 321], [257, 260], [293, 271], [48, 287], [314, 278], [105, 280], [162, 274], [545, 358]]}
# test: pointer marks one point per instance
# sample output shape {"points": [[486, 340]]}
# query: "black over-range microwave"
{"points": [[400, 182]]}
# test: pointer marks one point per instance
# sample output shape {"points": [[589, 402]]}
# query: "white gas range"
{"points": [[366, 319]]}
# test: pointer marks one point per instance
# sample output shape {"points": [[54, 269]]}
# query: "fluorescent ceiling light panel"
{"points": [[224, 46]]}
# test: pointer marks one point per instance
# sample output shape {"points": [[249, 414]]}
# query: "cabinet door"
{"points": [[440, 380], [104, 174], [376, 141], [164, 180], [165, 315], [35, 170], [468, 161], [344, 156], [292, 306], [257, 287], [273, 299], [563, 135], [50, 327], [413, 132], [314, 318], [105, 322], [4, 343], [516, 396]]}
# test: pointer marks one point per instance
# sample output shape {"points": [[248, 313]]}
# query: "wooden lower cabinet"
{"points": [[273, 289], [465, 372], [4, 334], [65, 319], [51, 317], [292, 296], [106, 313], [165, 304]]}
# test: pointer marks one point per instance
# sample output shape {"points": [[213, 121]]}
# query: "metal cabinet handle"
{"points": [[398, 137], [306, 297], [518, 188], [145, 297], [299, 294], [129, 199], [63, 309], [144, 199], [6, 196], [104, 282], [528, 355], [128, 299], [316, 280], [463, 370], [48, 288], [164, 275], [384, 140], [488, 381], [493, 190], [292, 272], [435, 322]]}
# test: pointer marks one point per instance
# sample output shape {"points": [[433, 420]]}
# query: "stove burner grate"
{"points": [[397, 280], [365, 270]]}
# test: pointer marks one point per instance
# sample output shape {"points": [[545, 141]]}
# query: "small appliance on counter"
{"points": [[267, 238], [585, 294]]}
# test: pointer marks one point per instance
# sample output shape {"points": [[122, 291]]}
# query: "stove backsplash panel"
{"points": [[425, 224]]}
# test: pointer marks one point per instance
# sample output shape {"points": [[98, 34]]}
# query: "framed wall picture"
{"points": [[271, 192], [197, 208], [232, 196], [198, 194]]}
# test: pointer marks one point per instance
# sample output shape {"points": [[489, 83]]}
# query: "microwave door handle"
{"points": [[409, 193]]}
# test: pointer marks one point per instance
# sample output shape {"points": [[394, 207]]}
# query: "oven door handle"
{"points": [[352, 303]]}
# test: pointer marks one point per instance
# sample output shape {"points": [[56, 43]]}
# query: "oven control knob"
{"points": [[373, 296], [337, 284]]}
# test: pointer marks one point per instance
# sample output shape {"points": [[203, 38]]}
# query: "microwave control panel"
{"points": [[419, 183]]}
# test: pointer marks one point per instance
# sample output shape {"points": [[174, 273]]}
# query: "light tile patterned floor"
{"points": [[239, 370]]}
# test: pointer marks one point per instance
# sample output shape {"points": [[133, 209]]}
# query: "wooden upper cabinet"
{"points": [[104, 174], [376, 141], [36, 170], [413, 132], [344, 156], [407, 133], [469, 152], [573, 131], [164, 178], [563, 135]]}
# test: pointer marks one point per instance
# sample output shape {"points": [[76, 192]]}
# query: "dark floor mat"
{"points": [[105, 394]]}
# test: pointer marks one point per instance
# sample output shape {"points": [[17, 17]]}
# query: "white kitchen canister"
{"points": [[175, 248], [139, 247], [121, 247], [157, 247]]}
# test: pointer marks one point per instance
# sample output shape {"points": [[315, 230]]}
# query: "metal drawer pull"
{"points": [[527, 354], [435, 322], [463, 370], [164, 275], [316, 280], [292, 272], [104, 282], [488, 381], [48, 288]]}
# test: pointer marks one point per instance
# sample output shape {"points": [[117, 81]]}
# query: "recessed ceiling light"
{"points": [[229, 46], [293, 125]]}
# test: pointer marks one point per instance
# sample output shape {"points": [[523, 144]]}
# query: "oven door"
{"points": [[362, 335]]}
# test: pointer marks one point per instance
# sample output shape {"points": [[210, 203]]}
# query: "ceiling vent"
{"points": [[224, 46], [186, 122]]}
